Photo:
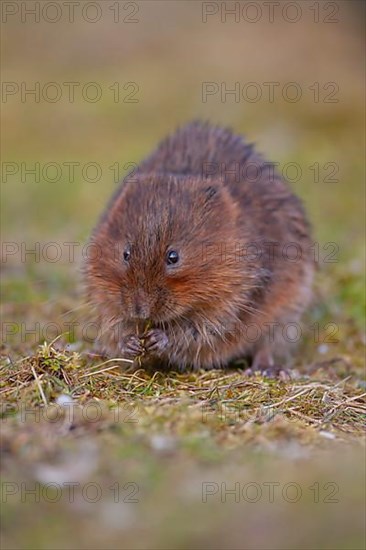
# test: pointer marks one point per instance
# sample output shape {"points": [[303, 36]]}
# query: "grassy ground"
{"points": [[124, 459]]}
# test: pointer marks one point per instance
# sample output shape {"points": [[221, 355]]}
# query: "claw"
{"points": [[131, 347], [263, 363], [155, 341]]}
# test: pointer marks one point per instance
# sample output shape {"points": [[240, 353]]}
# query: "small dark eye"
{"points": [[172, 257], [126, 255]]}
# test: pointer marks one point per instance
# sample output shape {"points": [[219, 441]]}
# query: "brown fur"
{"points": [[201, 307]]}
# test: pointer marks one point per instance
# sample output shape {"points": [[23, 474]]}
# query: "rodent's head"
{"points": [[161, 250]]}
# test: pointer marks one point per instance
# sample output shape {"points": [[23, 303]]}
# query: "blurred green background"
{"points": [[160, 54], [168, 53]]}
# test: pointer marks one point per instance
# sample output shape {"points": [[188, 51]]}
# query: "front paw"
{"points": [[155, 341], [131, 347]]}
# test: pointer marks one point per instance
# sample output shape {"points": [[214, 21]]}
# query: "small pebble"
{"points": [[162, 443], [327, 435], [64, 400]]}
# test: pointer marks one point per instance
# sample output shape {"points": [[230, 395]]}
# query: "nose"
{"points": [[141, 307]]}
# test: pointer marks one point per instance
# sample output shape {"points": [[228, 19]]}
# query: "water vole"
{"points": [[202, 257]]}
